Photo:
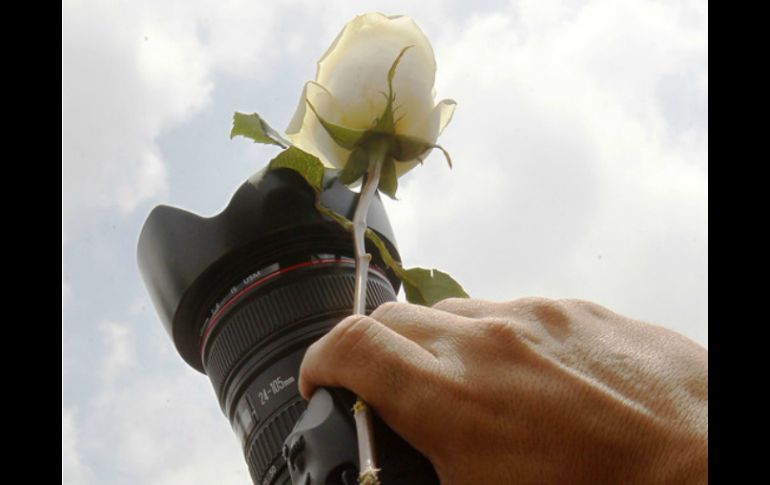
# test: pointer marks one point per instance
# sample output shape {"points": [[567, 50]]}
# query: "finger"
{"points": [[383, 367], [420, 324]]}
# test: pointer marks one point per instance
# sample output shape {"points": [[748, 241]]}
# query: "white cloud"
{"points": [[152, 420], [73, 471], [565, 153], [130, 71], [120, 353], [164, 428], [65, 288]]}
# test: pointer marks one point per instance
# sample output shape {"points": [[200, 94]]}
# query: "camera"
{"points": [[245, 292]]}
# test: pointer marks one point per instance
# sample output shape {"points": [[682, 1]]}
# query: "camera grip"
{"points": [[322, 448]]}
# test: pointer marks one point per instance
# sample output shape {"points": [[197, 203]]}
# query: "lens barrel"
{"points": [[245, 292], [253, 344]]}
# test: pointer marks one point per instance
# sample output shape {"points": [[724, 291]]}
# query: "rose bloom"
{"points": [[351, 86]]}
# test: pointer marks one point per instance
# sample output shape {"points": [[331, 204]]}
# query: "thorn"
{"points": [[369, 477]]}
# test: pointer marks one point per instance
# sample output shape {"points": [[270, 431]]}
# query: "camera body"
{"points": [[244, 293]]}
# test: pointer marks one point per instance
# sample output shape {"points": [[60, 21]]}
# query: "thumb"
{"points": [[380, 365]]}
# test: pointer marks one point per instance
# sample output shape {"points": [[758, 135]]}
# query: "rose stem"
{"points": [[361, 412]]}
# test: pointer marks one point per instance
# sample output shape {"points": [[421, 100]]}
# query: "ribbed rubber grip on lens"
{"points": [[266, 448], [243, 328]]}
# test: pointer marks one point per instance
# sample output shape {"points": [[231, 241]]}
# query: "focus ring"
{"points": [[245, 326]]}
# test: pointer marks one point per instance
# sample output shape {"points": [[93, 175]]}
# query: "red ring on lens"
{"points": [[216, 317]]}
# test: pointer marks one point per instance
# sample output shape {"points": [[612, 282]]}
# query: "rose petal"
{"points": [[446, 109], [427, 129], [307, 133], [355, 68]]}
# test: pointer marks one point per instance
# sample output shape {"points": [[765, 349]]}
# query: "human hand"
{"points": [[527, 391]]}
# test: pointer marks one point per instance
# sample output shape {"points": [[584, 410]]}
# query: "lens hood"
{"points": [[188, 262]]}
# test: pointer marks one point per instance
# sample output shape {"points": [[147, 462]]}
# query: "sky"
{"points": [[580, 150]]}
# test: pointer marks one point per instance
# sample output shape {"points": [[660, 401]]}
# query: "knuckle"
{"points": [[447, 304], [381, 312], [352, 333], [498, 328], [509, 337], [585, 306], [551, 312], [530, 302], [540, 310]]}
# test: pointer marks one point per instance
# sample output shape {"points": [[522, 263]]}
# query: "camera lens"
{"points": [[243, 293], [255, 336]]}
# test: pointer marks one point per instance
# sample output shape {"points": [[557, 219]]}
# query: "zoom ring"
{"points": [[250, 323]]}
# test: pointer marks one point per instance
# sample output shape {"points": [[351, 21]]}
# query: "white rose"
{"points": [[351, 89]]}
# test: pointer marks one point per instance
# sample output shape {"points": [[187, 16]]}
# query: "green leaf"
{"points": [[386, 122], [343, 221], [253, 127], [392, 70], [389, 260], [388, 178], [421, 286], [356, 166], [307, 165], [428, 287], [407, 148], [344, 137]]}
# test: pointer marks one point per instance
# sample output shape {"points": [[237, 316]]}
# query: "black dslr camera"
{"points": [[244, 293]]}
